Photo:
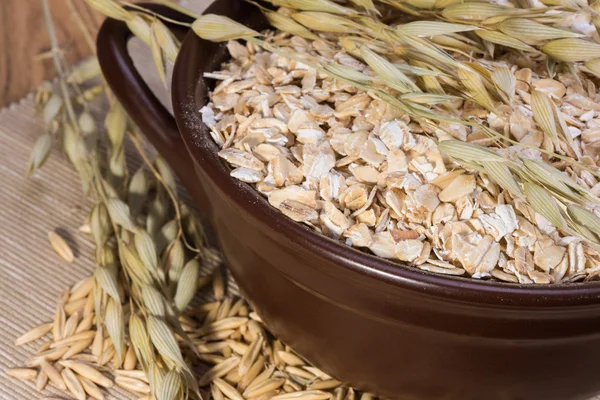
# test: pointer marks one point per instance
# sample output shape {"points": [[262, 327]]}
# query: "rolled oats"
{"points": [[357, 170]]}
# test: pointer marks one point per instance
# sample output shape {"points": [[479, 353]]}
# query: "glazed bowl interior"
{"points": [[191, 93]]}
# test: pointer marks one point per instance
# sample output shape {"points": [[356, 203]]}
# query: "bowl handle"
{"points": [[142, 106]]}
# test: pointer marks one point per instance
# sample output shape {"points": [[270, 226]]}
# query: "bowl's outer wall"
{"points": [[398, 343], [398, 336]]}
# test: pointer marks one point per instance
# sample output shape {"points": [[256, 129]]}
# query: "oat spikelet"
{"points": [[174, 261], [106, 279], [186, 287], [388, 72], [218, 28], [503, 40], [316, 5], [171, 387], [572, 49], [533, 31], [84, 71], [169, 44], [140, 339], [287, 24], [119, 213], [153, 300], [164, 341], [140, 28], [39, 153], [433, 28], [146, 249]]}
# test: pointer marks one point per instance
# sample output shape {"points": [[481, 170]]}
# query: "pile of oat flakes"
{"points": [[355, 169]]}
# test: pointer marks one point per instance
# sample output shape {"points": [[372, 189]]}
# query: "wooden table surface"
{"points": [[23, 38]]}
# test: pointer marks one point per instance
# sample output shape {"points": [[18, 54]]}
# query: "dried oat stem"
{"points": [[144, 10], [57, 63], [177, 7], [83, 28], [87, 35]]}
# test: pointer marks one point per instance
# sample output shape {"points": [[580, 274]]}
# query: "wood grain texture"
{"points": [[23, 37]]}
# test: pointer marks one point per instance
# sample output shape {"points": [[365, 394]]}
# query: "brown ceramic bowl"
{"points": [[378, 325]]}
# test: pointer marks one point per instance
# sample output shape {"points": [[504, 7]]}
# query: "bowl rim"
{"points": [[187, 81]]}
